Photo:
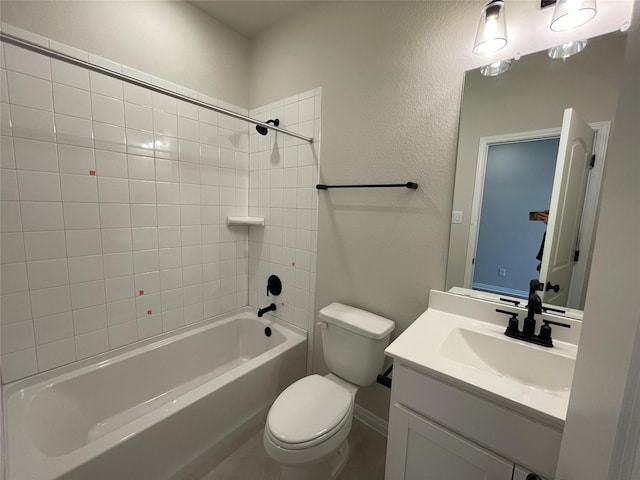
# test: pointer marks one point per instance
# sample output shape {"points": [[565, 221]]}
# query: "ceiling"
{"points": [[250, 18]]}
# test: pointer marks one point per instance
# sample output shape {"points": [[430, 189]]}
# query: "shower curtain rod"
{"points": [[34, 47]]}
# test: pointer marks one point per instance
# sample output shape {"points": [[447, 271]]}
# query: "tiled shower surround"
{"points": [[114, 207], [283, 173]]}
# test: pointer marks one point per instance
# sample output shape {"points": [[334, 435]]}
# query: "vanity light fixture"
{"points": [[568, 49], [492, 29], [496, 68], [571, 14]]}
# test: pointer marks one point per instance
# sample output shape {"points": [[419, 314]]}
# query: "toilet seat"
{"points": [[309, 412]]}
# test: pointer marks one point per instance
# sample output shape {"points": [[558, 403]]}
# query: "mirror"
{"points": [[507, 149]]}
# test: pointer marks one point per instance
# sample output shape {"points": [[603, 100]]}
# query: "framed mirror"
{"points": [[516, 216]]}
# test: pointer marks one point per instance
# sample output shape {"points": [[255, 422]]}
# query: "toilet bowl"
{"points": [[307, 427], [308, 424]]}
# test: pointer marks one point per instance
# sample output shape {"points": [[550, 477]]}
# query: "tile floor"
{"points": [[251, 462]]}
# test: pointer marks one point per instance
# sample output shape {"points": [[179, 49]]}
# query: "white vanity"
{"points": [[469, 403]]}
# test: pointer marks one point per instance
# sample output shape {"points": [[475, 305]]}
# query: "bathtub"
{"points": [[165, 409]]}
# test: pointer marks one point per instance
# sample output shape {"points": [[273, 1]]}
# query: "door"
{"points": [[565, 212], [421, 450]]}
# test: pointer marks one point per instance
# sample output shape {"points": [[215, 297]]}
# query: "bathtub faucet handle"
{"points": [[274, 285]]}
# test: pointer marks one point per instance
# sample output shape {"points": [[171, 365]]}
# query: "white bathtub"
{"points": [[159, 411]]}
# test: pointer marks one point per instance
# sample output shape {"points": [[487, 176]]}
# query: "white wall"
{"points": [[114, 203], [391, 74], [169, 39], [612, 308]]}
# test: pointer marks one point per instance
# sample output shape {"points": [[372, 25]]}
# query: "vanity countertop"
{"points": [[461, 341]]}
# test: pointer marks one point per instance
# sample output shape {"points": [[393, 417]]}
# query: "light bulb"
{"points": [[492, 30]]}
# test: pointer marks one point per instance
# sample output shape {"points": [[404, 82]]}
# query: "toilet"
{"points": [[308, 424]]}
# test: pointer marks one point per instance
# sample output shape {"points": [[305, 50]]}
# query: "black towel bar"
{"points": [[410, 185]]}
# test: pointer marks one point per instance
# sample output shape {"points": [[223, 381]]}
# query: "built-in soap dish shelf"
{"points": [[258, 221]]}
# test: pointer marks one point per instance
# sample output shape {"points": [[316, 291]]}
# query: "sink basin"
{"points": [[461, 341], [529, 365]]}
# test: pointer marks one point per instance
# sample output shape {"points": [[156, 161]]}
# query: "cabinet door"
{"points": [[418, 449], [520, 473]]}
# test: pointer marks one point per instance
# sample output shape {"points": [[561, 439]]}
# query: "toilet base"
{"points": [[327, 468]]}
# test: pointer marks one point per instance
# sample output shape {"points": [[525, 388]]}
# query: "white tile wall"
{"points": [[283, 172], [113, 216]]}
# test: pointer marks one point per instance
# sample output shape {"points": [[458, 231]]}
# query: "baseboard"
{"points": [[369, 419]]}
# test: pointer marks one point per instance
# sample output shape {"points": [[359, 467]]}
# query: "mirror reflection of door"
{"points": [[567, 200], [518, 180]]}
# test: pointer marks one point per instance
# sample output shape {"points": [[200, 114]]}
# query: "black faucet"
{"points": [[529, 328], [270, 308], [533, 307]]}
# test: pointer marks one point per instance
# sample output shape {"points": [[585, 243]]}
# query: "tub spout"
{"points": [[270, 308]]}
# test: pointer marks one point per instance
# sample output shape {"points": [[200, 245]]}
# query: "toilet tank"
{"points": [[353, 342]]}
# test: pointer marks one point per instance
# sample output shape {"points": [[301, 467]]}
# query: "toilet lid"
{"points": [[308, 409]]}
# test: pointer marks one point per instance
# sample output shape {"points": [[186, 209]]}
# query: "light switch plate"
{"points": [[456, 216]]}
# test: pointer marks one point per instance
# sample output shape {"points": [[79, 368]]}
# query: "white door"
{"points": [[425, 451], [565, 211]]}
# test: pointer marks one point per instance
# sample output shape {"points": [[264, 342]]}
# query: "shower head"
{"points": [[263, 130]]}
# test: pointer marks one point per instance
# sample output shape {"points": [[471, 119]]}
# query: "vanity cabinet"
{"points": [[424, 450], [441, 431]]}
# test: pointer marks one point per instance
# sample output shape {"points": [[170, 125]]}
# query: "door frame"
{"points": [[587, 223]]}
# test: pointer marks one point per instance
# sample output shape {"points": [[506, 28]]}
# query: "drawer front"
{"points": [[518, 438]]}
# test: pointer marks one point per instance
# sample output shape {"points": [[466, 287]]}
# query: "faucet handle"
{"points": [[545, 331], [512, 327]]}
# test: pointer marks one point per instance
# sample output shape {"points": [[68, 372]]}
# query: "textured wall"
{"points": [[390, 106], [391, 74], [172, 40]]}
